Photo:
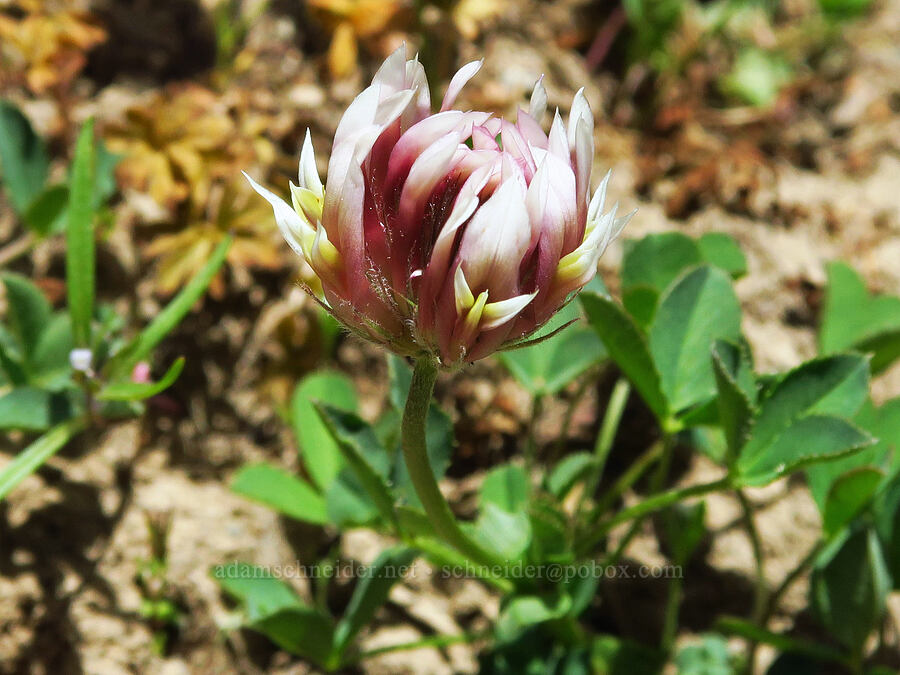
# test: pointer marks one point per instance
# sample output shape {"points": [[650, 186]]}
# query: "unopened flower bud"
{"points": [[141, 374], [454, 233]]}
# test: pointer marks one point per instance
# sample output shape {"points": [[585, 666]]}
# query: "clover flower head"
{"points": [[453, 233]]}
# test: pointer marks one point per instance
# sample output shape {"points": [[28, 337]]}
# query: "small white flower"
{"points": [[80, 360]]}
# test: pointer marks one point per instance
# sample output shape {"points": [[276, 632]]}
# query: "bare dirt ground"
{"points": [[815, 181]]}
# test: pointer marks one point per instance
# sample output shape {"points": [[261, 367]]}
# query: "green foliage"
{"points": [[281, 491], [808, 440], [848, 496], [849, 587], [684, 530], [736, 388], [32, 457], [364, 455], [651, 264], [568, 472], [507, 534], [138, 391], [653, 21], [506, 487], [23, 158], [844, 9], [44, 381], [34, 360], [525, 611], [695, 311], [677, 338], [854, 319], [80, 238], [318, 449], [709, 657], [546, 367], [757, 76], [271, 607], [678, 294], [370, 593], [801, 420], [627, 346], [25, 165]]}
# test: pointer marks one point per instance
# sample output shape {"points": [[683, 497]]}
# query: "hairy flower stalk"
{"points": [[447, 236]]}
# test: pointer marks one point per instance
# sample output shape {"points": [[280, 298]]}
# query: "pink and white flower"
{"points": [[453, 233]]}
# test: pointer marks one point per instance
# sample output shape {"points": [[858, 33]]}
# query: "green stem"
{"points": [[658, 480], [608, 428], [629, 478], [762, 587], [537, 407], [33, 457], [616, 555], [670, 623], [653, 504], [416, 456], [614, 410], [442, 555], [761, 592], [776, 595]]}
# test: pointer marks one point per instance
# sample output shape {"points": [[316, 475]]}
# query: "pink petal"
{"points": [[530, 129]]}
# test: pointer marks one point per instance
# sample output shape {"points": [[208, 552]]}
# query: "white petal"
{"points": [[463, 208], [538, 104], [358, 115], [463, 75], [599, 198], [418, 82], [498, 313], [308, 174], [584, 160], [307, 203], [558, 144], [606, 228], [461, 292], [323, 254], [393, 106], [297, 232], [497, 236], [620, 223], [531, 130], [392, 73], [580, 110]]}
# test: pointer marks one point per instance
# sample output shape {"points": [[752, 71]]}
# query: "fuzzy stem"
{"points": [[420, 472]]}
